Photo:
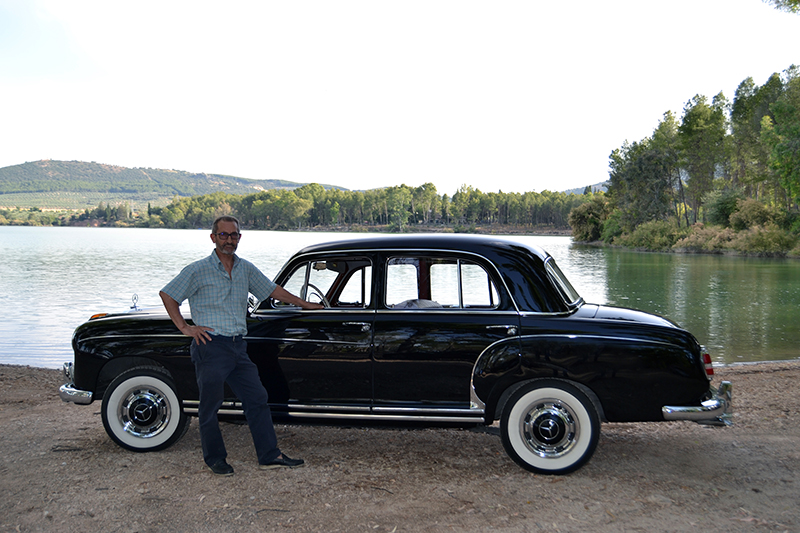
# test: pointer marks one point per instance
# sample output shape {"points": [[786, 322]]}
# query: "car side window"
{"points": [[337, 283], [438, 283]]}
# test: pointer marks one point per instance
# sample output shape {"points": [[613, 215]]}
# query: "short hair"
{"points": [[225, 218]]}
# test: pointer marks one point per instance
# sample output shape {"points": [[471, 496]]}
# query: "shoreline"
{"points": [[478, 230]]}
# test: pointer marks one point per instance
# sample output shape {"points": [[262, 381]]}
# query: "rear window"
{"points": [[561, 282]]}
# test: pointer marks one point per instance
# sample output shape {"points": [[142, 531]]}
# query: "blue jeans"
{"points": [[224, 359]]}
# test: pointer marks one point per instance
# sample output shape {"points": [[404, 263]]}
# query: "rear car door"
{"points": [[437, 314]]}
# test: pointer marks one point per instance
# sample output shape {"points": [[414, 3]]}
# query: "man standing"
{"points": [[217, 288]]}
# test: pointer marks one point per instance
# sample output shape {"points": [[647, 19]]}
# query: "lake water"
{"points": [[53, 279]]}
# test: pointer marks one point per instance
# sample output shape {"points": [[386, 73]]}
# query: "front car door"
{"points": [[318, 363]]}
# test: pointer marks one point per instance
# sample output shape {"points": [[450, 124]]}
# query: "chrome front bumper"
{"points": [[68, 393], [718, 411]]}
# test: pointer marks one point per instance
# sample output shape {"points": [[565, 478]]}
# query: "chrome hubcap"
{"points": [[549, 428], [144, 413]]}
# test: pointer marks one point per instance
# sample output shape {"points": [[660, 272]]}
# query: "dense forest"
{"points": [[725, 177], [196, 199], [399, 208]]}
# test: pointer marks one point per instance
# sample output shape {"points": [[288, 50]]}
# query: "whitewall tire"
{"points": [[142, 412], [550, 427]]}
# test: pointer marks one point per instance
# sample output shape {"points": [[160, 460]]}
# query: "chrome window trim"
{"points": [[452, 311]]}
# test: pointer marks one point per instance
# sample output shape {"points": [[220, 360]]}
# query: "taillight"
{"points": [[707, 364]]}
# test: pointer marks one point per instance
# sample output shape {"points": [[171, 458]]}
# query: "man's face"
{"points": [[228, 244]]}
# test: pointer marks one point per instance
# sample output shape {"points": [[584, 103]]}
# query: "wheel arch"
{"points": [[509, 391], [117, 365]]}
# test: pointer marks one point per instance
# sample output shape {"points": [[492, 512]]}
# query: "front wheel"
{"points": [[141, 411], [550, 427]]}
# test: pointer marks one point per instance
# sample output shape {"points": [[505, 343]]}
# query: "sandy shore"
{"points": [[60, 472]]}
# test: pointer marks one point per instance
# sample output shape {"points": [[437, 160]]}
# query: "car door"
{"points": [[318, 361], [437, 314]]}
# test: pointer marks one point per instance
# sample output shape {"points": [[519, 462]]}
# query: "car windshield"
{"points": [[558, 278]]}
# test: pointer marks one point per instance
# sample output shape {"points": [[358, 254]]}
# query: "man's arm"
{"points": [[198, 333], [285, 296]]}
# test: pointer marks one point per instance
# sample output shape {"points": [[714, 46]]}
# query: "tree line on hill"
{"points": [[397, 209], [50, 176], [725, 177]]}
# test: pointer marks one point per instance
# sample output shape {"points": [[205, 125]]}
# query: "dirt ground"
{"points": [[60, 472]]}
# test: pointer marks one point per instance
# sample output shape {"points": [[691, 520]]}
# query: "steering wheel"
{"points": [[319, 294]]}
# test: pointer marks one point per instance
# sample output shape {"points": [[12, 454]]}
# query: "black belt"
{"points": [[235, 338]]}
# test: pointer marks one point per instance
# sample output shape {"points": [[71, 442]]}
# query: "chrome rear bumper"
{"points": [[68, 393], [718, 411]]}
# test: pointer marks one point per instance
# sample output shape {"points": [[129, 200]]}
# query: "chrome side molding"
{"points": [[337, 412]]}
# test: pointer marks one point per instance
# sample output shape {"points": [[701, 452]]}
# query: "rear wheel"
{"points": [[142, 412], [550, 427]]}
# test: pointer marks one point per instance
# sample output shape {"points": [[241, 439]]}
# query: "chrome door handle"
{"points": [[510, 329], [365, 326]]}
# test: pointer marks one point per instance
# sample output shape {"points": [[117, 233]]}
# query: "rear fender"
{"points": [[506, 394], [629, 379], [632, 377]]}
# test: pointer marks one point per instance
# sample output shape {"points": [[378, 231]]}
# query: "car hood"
{"points": [[607, 312]]}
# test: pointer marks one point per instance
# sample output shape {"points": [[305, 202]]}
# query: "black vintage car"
{"points": [[426, 329]]}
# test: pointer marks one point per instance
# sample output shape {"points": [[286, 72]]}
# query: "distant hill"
{"points": [[603, 186], [78, 185]]}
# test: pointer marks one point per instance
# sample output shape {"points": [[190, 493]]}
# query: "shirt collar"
{"points": [[218, 262]]}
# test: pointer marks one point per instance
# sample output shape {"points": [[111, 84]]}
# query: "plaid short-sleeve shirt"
{"points": [[216, 300]]}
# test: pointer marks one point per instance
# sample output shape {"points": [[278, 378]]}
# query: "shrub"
{"points": [[612, 227], [587, 219], [657, 235], [749, 213], [720, 205], [705, 239], [767, 240]]}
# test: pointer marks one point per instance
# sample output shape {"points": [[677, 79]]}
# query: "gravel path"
{"points": [[60, 472]]}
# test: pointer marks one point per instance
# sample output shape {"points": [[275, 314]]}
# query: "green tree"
{"points": [[398, 202], [702, 135], [784, 136], [423, 202], [587, 219], [643, 175], [316, 194], [790, 6], [668, 184]]}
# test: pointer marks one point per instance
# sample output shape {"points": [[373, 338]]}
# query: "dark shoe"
{"points": [[221, 468], [282, 461]]}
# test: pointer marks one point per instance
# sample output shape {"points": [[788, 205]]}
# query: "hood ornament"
{"points": [[135, 300]]}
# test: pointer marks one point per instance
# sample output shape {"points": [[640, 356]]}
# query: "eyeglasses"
{"points": [[223, 236]]}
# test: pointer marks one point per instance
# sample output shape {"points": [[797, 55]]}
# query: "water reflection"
{"points": [[742, 309]]}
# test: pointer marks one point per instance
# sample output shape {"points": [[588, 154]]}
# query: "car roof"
{"points": [[521, 265], [480, 244]]}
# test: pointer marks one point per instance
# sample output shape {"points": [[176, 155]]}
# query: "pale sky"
{"points": [[508, 95]]}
